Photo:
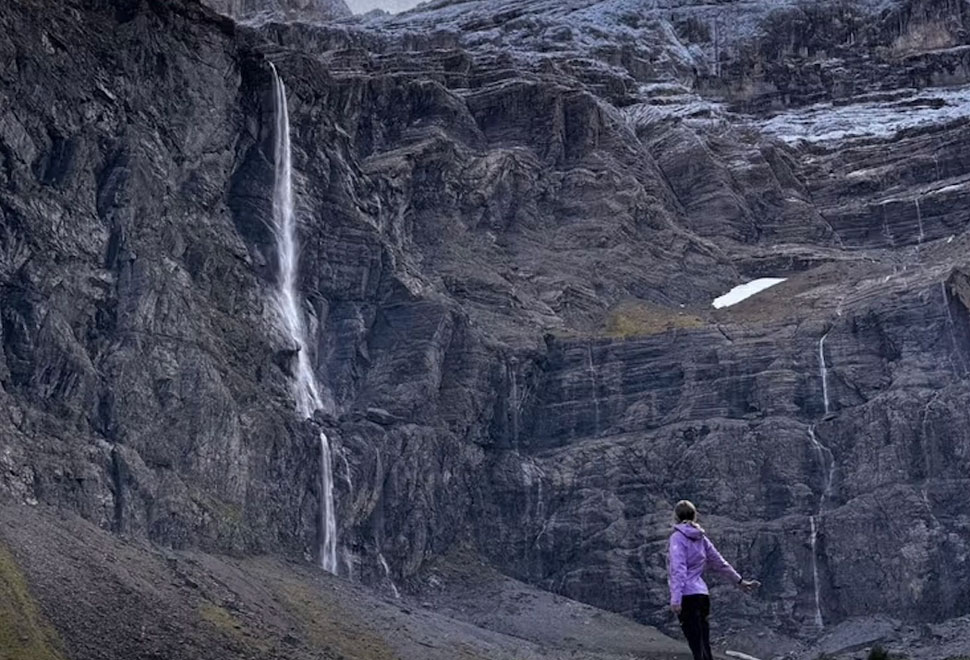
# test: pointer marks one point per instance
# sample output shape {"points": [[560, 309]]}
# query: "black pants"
{"points": [[694, 611]]}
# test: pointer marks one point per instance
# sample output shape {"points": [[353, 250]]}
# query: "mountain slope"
{"points": [[110, 597]]}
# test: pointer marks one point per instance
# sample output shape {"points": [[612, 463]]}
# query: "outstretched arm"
{"points": [[719, 564]]}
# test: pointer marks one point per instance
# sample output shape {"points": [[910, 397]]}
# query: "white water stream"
{"points": [[824, 372], [826, 460], [288, 304], [387, 574]]}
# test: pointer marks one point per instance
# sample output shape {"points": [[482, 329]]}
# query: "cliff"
{"points": [[513, 219]]}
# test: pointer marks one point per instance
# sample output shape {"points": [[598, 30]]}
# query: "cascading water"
{"points": [[824, 372], [919, 219], [819, 622], [515, 405], [594, 387], [826, 460], [387, 574], [951, 327], [288, 305], [946, 305]]}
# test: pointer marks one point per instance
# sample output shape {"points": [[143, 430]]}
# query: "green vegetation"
{"points": [[24, 632], [642, 319], [327, 627], [223, 620], [229, 518], [219, 618]]}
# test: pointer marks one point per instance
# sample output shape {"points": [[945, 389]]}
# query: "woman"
{"points": [[690, 553]]}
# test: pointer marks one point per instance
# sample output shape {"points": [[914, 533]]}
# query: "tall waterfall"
{"points": [[591, 370], [827, 461], [288, 305], [919, 220], [824, 372], [819, 622]]}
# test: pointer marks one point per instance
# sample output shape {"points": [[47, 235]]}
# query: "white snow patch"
{"points": [[739, 655], [881, 119], [745, 291], [953, 187]]}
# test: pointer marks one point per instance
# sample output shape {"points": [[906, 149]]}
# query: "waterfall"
{"points": [[953, 336], [818, 595], [594, 388], [919, 219], [824, 372], [515, 405], [387, 574], [288, 304], [946, 306], [827, 462]]}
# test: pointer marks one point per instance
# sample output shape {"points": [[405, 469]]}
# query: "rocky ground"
{"points": [[95, 595], [514, 216]]}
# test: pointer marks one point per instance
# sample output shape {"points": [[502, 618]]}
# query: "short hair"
{"points": [[685, 511]]}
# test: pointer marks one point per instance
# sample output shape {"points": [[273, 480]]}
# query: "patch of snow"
{"points": [[392, 6], [953, 187], [745, 291], [825, 122], [739, 655]]}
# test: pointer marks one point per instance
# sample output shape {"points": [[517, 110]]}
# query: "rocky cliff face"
{"points": [[514, 216], [300, 10]]}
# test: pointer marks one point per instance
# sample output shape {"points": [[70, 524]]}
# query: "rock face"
{"points": [[514, 218]]}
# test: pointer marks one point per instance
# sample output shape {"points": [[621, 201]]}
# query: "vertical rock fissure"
{"points": [[306, 388]]}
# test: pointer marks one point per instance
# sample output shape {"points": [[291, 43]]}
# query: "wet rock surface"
{"points": [[513, 219]]}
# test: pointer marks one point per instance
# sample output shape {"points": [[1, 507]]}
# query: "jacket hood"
{"points": [[693, 532]]}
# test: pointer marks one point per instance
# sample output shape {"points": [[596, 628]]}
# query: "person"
{"points": [[690, 554]]}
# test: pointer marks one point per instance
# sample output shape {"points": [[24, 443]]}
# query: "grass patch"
{"points": [[643, 319], [327, 627], [221, 619], [24, 632]]}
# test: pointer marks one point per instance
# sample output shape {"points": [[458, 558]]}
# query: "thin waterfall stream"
{"points": [[824, 372], [826, 460], [919, 220], [288, 303]]}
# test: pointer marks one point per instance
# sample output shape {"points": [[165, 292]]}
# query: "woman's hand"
{"points": [[747, 586], [676, 609]]}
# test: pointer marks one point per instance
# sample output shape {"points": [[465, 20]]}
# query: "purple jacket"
{"points": [[690, 553]]}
